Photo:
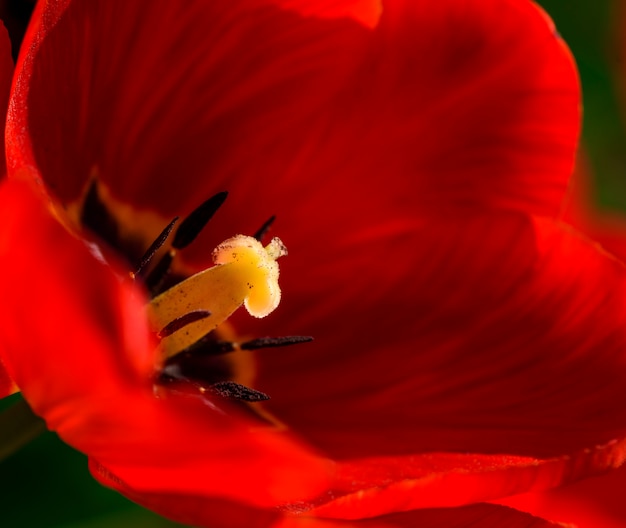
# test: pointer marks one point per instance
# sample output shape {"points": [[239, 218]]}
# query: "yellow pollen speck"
{"points": [[245, 273]]}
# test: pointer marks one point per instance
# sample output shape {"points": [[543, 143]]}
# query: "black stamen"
{"points": [[155, 278], [236, 391], [206, 346], [154, 247], [264, 228], [267, 342], [201, 365], [191, 226]]}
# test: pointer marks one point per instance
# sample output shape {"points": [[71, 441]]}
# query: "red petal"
{"points": [[372, 487], [222, 514], [474, 332], [441, 102], [592, 503], [193, 509], [76, 342], [6, 75], [167, 120], [476, 516], [365, 11], [7, 387]]}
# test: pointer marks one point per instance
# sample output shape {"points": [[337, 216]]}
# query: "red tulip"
{"points": [[469, 345]]}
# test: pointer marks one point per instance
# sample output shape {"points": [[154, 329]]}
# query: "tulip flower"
{"points": [[468, 343]]}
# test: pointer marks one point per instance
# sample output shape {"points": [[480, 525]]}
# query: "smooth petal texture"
{"points": [[475, 516], [6, 76], [268, 129], [372, 487], [6, 73], [195, 510], [76, 341], [439, 326], [199, 511], [439, 103], [365, 11], [477, 331], [595, 502]]}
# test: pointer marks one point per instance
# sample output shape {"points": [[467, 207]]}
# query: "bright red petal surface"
{"points": [[372, 487], [592, 503], [6, 75], [473, 332], [365, 11], [438, 103], [76, 342], [448, 135], [373, 123], [199, 511], [465, 331], [195, 510]]}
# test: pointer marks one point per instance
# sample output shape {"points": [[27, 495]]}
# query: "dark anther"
{"points": [[202, 365], [181, 322], [191, 226], [236, 391], [205, 346], [264, 228], [154, 247], [155, 278], [268, 342]]}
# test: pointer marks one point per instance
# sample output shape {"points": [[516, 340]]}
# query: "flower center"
{"points": [[245, 273], [190, 314]]}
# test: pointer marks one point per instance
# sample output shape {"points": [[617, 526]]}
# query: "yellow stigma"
{"points": [[245, 273]]}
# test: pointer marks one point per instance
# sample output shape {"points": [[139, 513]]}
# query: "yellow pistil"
{"points": [[245, 273]]}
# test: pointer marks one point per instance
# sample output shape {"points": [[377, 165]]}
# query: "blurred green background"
{"points": [[47, 484], [594, 31]]}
